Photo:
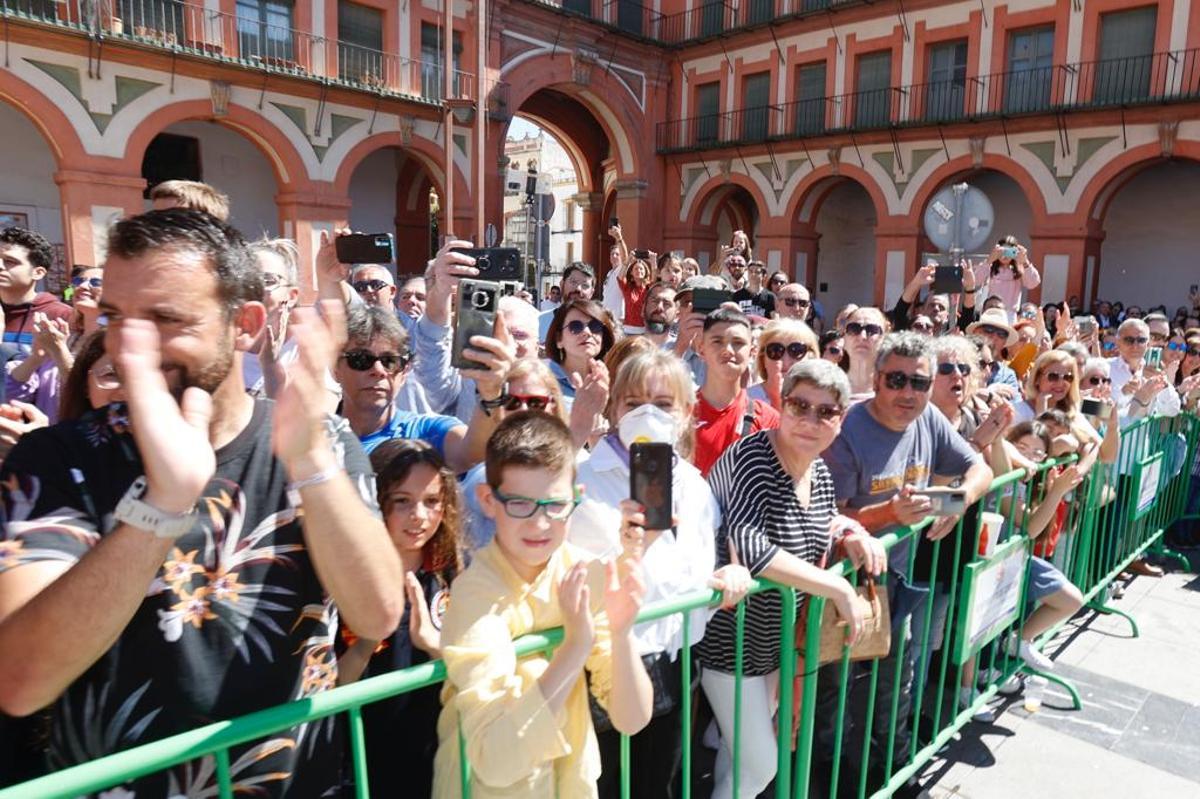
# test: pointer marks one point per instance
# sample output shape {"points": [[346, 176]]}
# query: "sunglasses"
{"points": [[992, 330], [792, 302], [988, 365], [946, 369], [1175, 346], [372, 286], [519, 507], [896, 381], [1108, 345], [775, 350], [835, 351], [1059, 377], [803, 409], [92, 282], [1193, 352], [1135, 340], [532, 402], [1096, 380], [857, 329], [362, 360], [779, 280], [577, 326]]}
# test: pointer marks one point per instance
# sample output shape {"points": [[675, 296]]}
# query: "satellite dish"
{"points": [[959, 218]]}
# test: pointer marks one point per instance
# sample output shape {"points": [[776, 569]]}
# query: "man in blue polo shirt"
{"points": [[372, 368]]}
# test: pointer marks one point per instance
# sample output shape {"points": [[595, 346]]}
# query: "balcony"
{"points": [[193, 30], [1153, 79], [708, 20]]}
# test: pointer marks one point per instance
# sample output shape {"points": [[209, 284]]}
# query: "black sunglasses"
{"points": [[520, 402], [793, 302], [775, 350], [1097, 380], [992, 330], [577, 326], [857, 329], [1135, 340], [1059, 377], [93, 282], [896, 381], [372, 286], [946, 369], [362, 360]]}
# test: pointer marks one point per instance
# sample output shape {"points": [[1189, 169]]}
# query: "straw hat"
{"points": [[995, 317]]}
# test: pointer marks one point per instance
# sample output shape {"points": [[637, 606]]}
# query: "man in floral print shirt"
{"points": [[131, 636]]}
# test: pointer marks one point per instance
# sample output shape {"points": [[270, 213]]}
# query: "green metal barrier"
{"points": [[840, 749]]}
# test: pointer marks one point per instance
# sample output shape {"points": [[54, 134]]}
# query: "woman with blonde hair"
{"points": [[782, 344], [1052, 384], [651, 401]]}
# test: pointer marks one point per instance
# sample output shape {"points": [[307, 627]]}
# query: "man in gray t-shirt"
{"points": [[890, 447]]}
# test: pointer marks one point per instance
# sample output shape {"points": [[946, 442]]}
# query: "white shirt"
{"points": [[675, 563], [1165, 402]]}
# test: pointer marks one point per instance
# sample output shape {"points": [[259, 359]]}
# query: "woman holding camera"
{"points": [[651, 401], [1007, 273]]}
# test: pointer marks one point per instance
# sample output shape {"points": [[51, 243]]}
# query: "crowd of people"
{"points": [[216, 499]]}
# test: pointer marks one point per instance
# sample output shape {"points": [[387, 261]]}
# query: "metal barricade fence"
{"points": [[862, 728]]}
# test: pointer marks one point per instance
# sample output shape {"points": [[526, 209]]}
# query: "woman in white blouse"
{"points": [[651, 400]]}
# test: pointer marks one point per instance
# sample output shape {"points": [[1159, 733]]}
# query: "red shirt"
{"points": [[635, 298], [717, 428]]}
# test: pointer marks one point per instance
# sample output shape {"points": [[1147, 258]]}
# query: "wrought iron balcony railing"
{"points": [[194, 30], [1151, 79]]}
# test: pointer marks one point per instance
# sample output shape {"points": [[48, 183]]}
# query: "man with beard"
{"points": [[660, 314], [162, 567]]}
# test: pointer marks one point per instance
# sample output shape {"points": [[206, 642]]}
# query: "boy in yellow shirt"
{"points": [[525, 724]]}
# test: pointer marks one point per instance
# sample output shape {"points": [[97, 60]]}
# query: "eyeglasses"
{"points": [[1192, 351], [576, 326], [519, 507], [91, 282], [533, 402], [273, 281], [1159, 337], [780, 280], [105, 377], [946, 369], [803, 409], [362, 360], [1135, 340], [369, 286], [988, 365], [1059, 377], [1097, 380], [992, 330], [857, 329], [793, 302], [896, 381], [1177, 346], [775, 350]]}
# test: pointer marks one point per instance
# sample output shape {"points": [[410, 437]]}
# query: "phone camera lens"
{"points": [[482, 263], [480, 300]]}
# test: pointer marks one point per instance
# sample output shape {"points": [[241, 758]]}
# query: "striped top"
{"points": [[761, 513]]}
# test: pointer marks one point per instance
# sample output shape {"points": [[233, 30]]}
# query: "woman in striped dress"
{"points": [[778, 509]]}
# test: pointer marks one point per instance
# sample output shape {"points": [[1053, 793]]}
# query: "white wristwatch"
{"points": [[144, 516]]}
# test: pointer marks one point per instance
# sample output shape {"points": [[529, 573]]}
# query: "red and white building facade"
{"points": [[821, 127]]}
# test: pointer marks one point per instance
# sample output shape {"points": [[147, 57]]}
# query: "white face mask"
{"points": [[648, 423]]}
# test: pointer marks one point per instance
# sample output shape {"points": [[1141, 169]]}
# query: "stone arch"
{"points": [[1104, 185], [420, 148], [966, 165], [285, 160], [813, 187], [716, 190]]}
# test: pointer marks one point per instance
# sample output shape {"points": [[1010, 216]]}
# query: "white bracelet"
{"points": [[324, 476]]}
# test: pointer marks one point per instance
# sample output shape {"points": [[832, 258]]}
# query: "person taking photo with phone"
{"points": [[1007, 273]]}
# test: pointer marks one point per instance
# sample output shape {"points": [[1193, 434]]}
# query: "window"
{"points": [[265, 29], [756, 106], [171, 157], [1030, 70], [360, 43], [809, 118], [152, 19], [433, 84], [945, 89], [578, 6], [759, 11], [629, 16], [712, 17], [1126, 55], [708, 108], [873, 103]]}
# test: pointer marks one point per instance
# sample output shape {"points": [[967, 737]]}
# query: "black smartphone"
{"points": [[641, 254], [1096, 408], [509, 288], [705, 301], [476, 316], [650, 482], [614, 222], [365, 248], [495, 263], [947, 280]]}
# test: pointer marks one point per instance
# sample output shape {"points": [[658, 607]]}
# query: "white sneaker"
{"points": [[967, 697], [1033, 658], [1117, 589], [1011, 686]]}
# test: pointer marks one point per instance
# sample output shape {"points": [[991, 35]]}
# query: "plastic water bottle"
{"points": [[1035, 688]]}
